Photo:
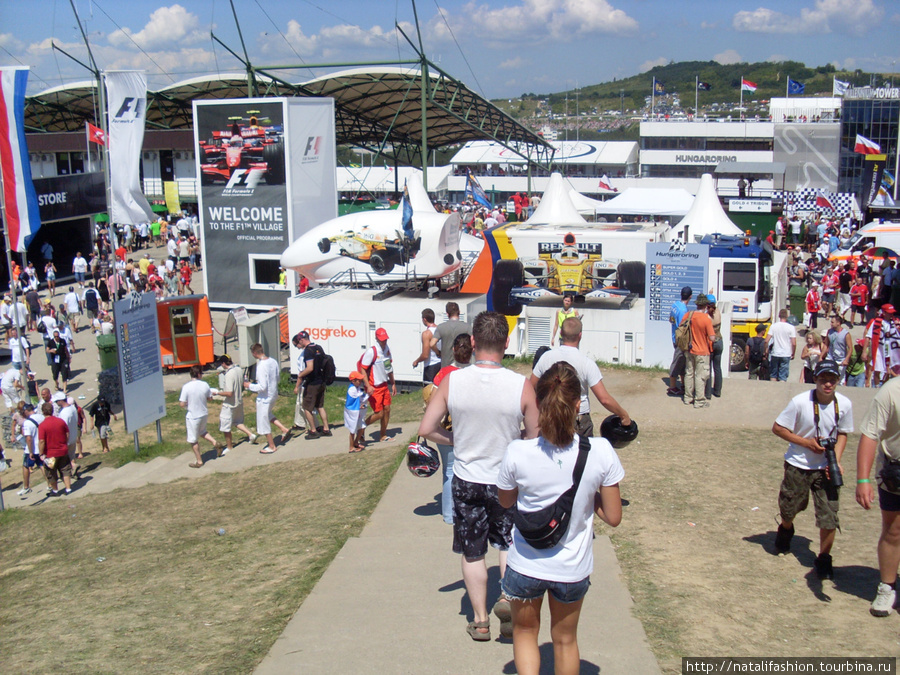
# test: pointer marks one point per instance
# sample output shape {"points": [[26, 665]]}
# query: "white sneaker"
{"points": [[884, 600], [253, 439], [23, 491]]}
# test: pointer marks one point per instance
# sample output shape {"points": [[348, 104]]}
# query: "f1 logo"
{"points": [[245, 178], [132, 107], [312, 146]]}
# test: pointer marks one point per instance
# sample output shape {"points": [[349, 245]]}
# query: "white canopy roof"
{"points": [[607, 153], [380, 179], [706, 215], [648, 202]]}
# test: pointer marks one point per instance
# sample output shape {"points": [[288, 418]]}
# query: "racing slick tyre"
{"points": [[381, 263], [324, 244], [273, 156], [631, 276], [508, 274], [738, 355]]}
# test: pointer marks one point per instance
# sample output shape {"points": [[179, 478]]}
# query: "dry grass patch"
{"points": [[172, 595], [696, 545]]}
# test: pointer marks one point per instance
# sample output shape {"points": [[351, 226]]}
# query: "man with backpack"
{"points": [[676, 369], [696, 367], [312, 378], [756, 354], [376, 365]]}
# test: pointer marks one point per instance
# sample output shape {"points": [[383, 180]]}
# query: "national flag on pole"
{"points": [[19, 197], [839, 88], [605, 184], [477, 192], [95, 134], [747, 85], [866, 147], [823, 201], [793, 87], [407, 223], [704, 86], [658, 87]]}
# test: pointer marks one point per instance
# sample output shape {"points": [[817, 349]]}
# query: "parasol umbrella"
{"points": [[880, 252]]}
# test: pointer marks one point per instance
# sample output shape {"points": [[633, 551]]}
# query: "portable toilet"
{"points": [[185, 331]]}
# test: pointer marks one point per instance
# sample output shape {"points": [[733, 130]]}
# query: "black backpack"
{"points": [[757, 349], [324, 365]]}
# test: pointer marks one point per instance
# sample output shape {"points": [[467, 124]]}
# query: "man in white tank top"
{"points": [[488, 405]]}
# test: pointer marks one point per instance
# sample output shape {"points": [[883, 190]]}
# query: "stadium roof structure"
{"points": [[388, 109]]}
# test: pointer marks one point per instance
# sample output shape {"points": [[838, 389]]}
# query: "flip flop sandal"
{"points": [[194, 465], [502, 609], [472, 630], [267, 452]]}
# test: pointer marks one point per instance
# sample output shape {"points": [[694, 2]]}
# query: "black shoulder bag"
{"points": [[545, 528]]}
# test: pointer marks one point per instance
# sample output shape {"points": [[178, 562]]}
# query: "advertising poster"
{"points": [[267, 174], [241, 149], [72, 196]]}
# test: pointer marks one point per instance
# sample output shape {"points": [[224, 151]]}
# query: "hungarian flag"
{"points": [[822, 201], [747, 85], [604, 184], [95, 134], [866, 147]]}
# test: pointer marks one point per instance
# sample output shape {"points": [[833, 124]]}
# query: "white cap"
{"points": [[58, 396]]}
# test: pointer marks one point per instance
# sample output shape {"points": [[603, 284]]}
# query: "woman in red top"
{"points": [[813, 306]]}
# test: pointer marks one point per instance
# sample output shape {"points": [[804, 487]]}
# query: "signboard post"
{"points": [[140, 368]]}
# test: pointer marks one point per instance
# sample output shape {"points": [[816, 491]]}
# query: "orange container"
{"points": [[185, 331]]}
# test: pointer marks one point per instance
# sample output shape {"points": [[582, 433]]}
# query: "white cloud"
{"points": [[647, 65], [710, 25], [8, 41], [728, 57], [852, 16], [510, 64], [329, 41], [556, 19], [167, 25]]}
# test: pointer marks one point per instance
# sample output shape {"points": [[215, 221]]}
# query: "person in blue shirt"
{"points": [[676, 370]]}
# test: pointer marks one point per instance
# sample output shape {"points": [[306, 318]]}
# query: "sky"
{"points": [[499, 48]]}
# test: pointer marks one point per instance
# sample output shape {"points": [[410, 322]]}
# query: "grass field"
{"points": [[141, 581]]}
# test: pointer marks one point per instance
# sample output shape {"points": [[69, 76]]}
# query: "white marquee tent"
{"points": [[706, 215], [669, 202]]}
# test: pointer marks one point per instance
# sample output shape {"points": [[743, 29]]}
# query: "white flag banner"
{"points": [[126, 95]]}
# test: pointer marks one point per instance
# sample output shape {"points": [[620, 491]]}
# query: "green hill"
{"points": [[679, 78]]}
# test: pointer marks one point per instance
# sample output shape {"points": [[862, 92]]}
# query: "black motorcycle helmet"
{"points": [[618, 435]]}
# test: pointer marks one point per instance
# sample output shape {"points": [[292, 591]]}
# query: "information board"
{"points": [[140, 367], [669, 269]]}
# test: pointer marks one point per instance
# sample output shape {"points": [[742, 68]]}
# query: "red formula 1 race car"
{"points": [[246, 146]]}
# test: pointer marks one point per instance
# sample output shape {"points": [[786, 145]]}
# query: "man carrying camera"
{"points": [[881, 434], [815, 424]]}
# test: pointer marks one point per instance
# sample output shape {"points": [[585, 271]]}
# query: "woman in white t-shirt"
{"points": [[533, 475]]}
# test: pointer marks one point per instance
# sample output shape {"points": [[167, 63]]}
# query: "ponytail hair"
{"points": [[558, 392]]}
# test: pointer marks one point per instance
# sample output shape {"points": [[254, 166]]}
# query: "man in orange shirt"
{"points": [[696, 371]]}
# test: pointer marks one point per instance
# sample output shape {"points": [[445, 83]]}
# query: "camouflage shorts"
{"points": [[478, 518], [794, 496]]}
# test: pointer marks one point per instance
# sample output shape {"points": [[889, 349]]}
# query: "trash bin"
{"points": [[109, 354], [797, 302]]}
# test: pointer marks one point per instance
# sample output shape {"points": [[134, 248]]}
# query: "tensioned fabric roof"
{"points": [[372, 106]]}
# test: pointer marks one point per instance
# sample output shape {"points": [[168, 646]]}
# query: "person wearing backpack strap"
{"points": [[313, 383], [696, 367], [377, 367], [676, 369]]}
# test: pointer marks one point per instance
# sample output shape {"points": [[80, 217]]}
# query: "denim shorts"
{"points": [[520, 587]]}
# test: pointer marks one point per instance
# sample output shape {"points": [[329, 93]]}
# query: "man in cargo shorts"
{"points": [[232, 412], [811, 420], [379, 373]]}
